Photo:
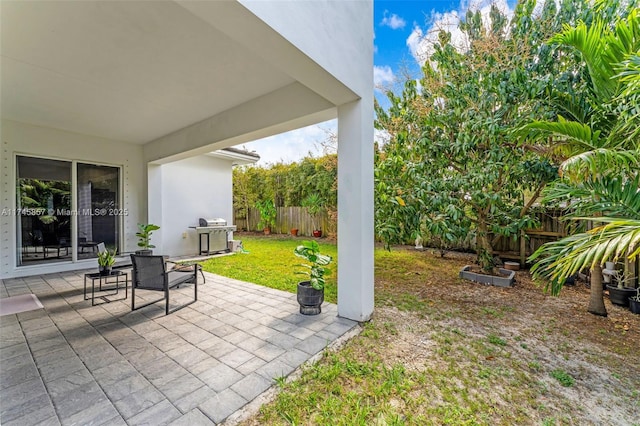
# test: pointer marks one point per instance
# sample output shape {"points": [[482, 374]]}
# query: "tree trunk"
{"points": [[483, 246], [596, 299]]}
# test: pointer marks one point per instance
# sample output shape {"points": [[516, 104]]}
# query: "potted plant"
{"points": [[619, 294], [314, 205], [634, 302], [268, 212], [106, 259], [310, 293], [144, 238]]}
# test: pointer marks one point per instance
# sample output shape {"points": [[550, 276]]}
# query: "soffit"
{"points": [[129, 71]]}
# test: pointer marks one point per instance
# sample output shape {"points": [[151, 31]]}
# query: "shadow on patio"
{"points": [[71, 363]]}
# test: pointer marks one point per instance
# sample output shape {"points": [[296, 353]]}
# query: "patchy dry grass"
{"points": [[440, 350]]}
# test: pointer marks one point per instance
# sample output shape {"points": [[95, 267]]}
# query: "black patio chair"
{"points": [[149, 273]]}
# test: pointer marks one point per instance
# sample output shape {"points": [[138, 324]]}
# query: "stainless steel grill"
{"points": [[213, 235]]}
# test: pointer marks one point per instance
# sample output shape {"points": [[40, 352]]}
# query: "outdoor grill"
{"points": [[213, 235]]}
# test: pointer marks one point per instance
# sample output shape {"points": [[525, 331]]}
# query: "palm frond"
{"points": [[608, 195], [599, 159], [578, 137], [557, 260], [589, 41]]}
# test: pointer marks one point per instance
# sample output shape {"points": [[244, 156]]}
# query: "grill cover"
{"points": [[213, 222]]}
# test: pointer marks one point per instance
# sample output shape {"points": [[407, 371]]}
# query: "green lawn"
{"points": [[269, 261]]}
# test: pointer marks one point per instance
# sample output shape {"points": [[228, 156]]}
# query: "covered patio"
{"points": [[73, 363]]}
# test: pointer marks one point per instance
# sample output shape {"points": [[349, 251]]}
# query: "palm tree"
{"points": [[601, 156]]}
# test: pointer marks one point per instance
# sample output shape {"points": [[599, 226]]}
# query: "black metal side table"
{"points": [[115, 277]]}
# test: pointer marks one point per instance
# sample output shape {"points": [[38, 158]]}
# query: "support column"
{"points": [[154, 205], [355, 210]]}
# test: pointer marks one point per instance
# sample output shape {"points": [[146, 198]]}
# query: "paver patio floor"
{"points": [[76, 364]]}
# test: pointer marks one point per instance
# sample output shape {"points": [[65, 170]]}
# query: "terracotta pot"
{"points": [[512, 266], [317, 233], [294, 232], [267, 231]]}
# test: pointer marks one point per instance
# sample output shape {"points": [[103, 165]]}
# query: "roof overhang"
{"points": [[180, 77], [237, 157]]}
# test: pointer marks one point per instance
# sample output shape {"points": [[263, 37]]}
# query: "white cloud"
{"points": [[382, 137], [292, 146], [420, 42], [382, 77], [392, 21]]}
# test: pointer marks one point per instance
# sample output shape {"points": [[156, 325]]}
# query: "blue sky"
{"points": [[403, 30]]}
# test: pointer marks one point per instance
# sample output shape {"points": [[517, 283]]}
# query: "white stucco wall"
{"points": [[19, 138], [337, 35], [191, 188]]}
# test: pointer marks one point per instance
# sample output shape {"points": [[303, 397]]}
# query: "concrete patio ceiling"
{"points": [[73, 363], [136, 71]]}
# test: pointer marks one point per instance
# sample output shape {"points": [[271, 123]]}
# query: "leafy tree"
{"points": [[287, 184], [598, 139], [453, 165]]}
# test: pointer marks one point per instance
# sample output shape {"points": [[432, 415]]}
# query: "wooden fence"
{"points": [[288, 218], [516, 248], [551, 229]]}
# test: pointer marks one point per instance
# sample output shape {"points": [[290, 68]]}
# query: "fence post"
{"points": [[523, 248]]}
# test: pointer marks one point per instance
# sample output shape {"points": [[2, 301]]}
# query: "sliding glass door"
{"points": [[44, 203], [50, 209], [98, 208]]}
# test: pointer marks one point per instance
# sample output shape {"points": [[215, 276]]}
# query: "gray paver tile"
{"points": [[251, 386], [60, 368], [250, 366], [52, 343], [340, 326], [69, 383], [268, 352], [222, 405], [23, 371], [250, 343], [203, 366], [193, 399], [28, 419], [312, 345], [162, 371], [274, 369], [193, 417], [28, 412], [22, 391], [188, 356], [283, 341], [294, 357], [139, 401], [96, 414], [224, 330], [236, 358], [122, 387], [220, 377], [183, 385], [221, 349], [73, 400], [210, 342], [301, 333], [162, 413], [14, 398], [237, 337]]}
